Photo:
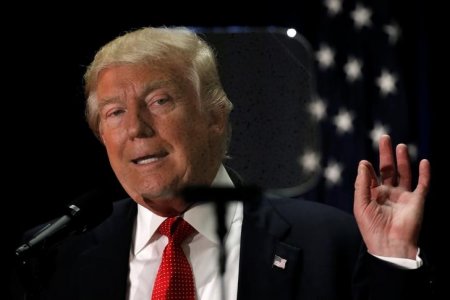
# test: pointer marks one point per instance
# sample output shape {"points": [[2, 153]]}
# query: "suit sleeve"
{"points": [[377, 279]]}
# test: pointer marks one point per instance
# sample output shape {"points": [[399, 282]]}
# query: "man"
{"points": [[156, 103]]}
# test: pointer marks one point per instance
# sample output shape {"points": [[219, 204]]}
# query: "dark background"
{"points": [[50, 156]]}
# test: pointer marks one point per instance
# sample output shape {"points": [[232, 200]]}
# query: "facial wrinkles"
{"points": [[130, 96], [129, 86], [181, 132]]}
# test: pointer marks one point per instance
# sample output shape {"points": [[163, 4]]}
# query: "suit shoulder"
{"points": [[311, 220], [309, 211]]}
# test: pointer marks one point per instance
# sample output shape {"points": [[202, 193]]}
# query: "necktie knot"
{"points": [[176, 229]]}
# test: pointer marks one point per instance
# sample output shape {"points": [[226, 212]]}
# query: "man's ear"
{"points": [[100, 136], [218, 120]]}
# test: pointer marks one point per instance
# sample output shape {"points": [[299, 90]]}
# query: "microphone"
{"points": [[84, 213]]}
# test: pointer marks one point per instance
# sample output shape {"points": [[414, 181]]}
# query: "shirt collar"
{"points": [[202, 217]]}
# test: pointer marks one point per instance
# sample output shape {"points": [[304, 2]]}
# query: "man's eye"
{"points": [[162, 101], [160, 104], [116, 113]]}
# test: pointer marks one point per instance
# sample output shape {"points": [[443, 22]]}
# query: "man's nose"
{"points": [[139, 124]]}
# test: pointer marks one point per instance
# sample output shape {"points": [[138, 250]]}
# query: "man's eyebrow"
{"points": [[148, 88], [154, 85], [104, 102]]}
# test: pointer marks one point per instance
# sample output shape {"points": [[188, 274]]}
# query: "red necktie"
{"points": [[174, 280]]}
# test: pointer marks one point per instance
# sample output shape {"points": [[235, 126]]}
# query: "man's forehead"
{"points": [[142, 78]]}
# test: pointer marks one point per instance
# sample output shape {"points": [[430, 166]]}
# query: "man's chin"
{"points": [[165, 204], [159, 196], [160, 193]]}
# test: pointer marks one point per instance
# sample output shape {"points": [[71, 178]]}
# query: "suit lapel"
{"points": [[269, 268], [104, 266]]}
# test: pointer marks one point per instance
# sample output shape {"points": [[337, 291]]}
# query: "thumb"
{"points": [[362, 186]]}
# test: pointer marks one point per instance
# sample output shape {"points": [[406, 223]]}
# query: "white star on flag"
{"points": [[353, 69], [393, 32], [343, 121], [386, 82], [325, 56], [333, 173], [317, 108], [333, 6], [376, 133], [361, 16], [412, 151], [310, 161]]}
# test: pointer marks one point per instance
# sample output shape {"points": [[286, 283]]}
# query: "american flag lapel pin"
{"points": [[279, 262]]}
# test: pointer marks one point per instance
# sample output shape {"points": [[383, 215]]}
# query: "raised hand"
{"points": [[388, 213]]}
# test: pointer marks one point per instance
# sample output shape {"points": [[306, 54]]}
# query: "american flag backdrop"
{"points": [[361, 94]]}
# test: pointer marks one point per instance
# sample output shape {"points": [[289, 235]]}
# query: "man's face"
{"points": [[157, 136]]}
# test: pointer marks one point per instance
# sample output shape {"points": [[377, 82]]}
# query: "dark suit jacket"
{"points": [[320, 244]]}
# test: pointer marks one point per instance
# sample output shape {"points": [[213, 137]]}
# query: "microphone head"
{"points": [[90, 209], [83, 213]]}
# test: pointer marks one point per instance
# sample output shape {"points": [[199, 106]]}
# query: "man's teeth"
{"points": [[147, 160]]}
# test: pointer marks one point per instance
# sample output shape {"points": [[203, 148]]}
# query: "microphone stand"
{"points": [[220, 196]]}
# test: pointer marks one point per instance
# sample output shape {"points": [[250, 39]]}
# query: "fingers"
{"points": [[371, 172], [403, 167], [365, 180], [424, 178], [387, 164]]}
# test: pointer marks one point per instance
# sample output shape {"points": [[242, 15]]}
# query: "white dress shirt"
{"points": [[202, 250]]}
